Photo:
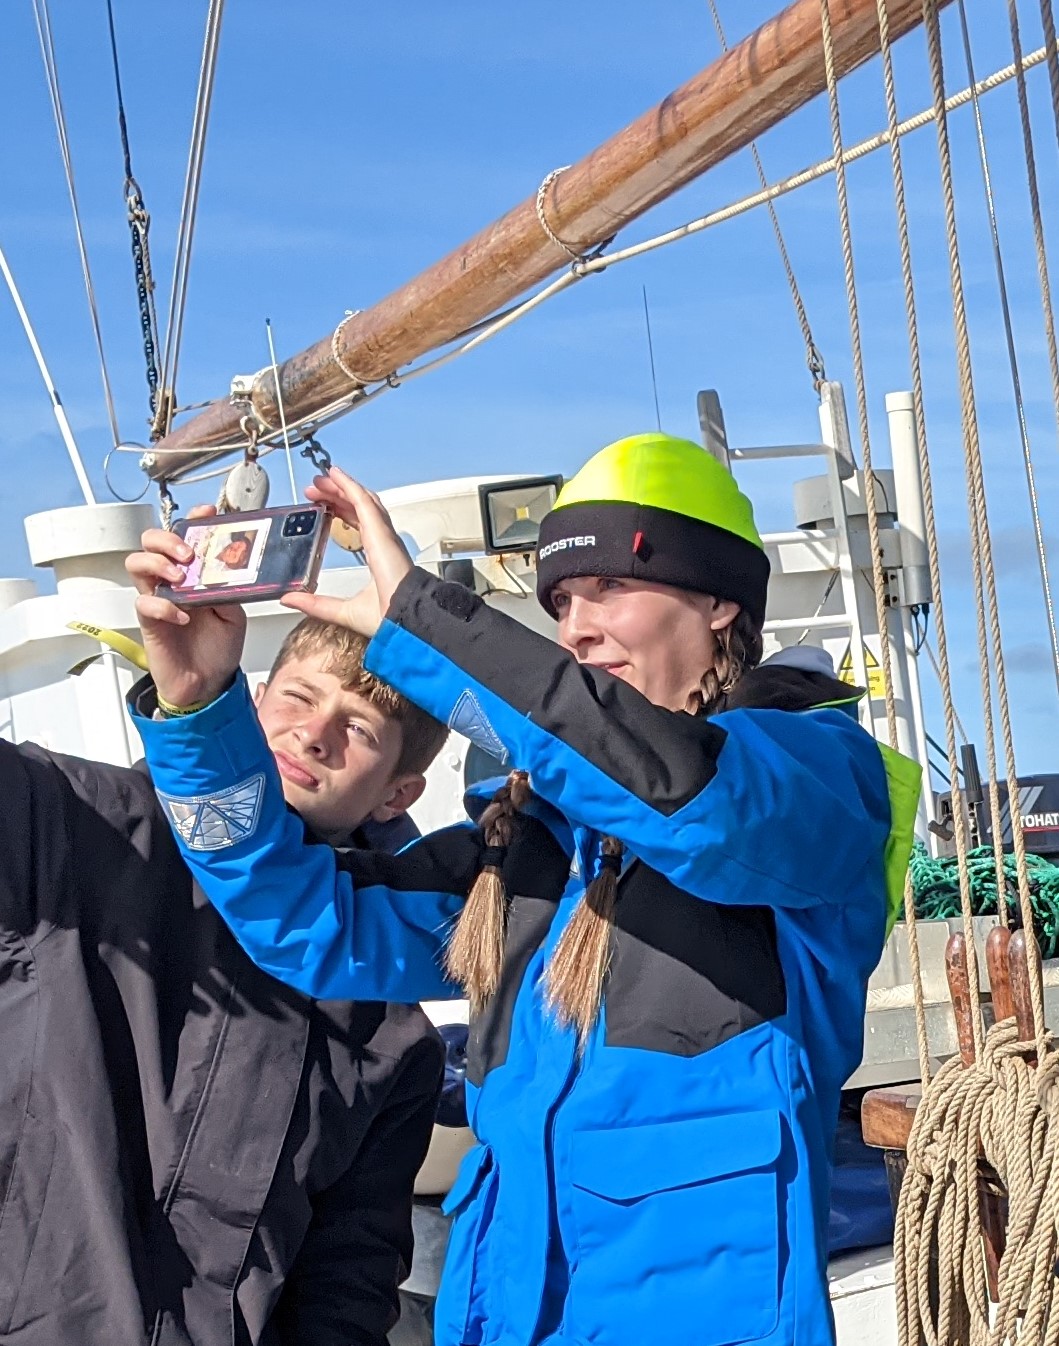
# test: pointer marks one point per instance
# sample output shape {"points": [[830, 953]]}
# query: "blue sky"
{"points": [[351, 145]]}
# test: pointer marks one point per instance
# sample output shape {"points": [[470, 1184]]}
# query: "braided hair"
{"points": [[575, 978]]}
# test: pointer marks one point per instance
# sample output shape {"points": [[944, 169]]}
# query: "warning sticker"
{"points": [[872, 667]]}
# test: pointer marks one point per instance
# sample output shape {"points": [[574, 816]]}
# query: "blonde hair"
{"points": [[576, 974], [342, 654]]}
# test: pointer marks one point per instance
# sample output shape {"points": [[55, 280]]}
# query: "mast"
{"points": [[751, 88]]}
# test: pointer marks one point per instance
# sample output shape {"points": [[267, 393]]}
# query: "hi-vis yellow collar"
{"points": [[124, 645]]}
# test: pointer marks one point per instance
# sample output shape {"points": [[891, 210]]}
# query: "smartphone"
{"points": [[247, 558]]}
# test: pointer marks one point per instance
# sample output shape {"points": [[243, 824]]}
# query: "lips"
{"points": [[614, 668], [294, 772]]}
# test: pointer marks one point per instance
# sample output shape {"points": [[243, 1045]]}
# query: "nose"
{"points": [[311, 734], [578, 628]]}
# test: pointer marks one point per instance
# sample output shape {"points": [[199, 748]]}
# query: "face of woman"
{"points": [[658, 639]]}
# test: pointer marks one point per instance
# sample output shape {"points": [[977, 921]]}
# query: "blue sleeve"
{"points": [[334, 925], [754, 806]]}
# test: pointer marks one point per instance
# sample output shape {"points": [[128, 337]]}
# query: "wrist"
{"points": [[171, 711], [188, 701]]}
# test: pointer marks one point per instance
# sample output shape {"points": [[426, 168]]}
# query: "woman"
{"points": [[684, 893]]}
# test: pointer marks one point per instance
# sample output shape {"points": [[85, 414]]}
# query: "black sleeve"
{"points": [[342, 1289], [661, 756]]}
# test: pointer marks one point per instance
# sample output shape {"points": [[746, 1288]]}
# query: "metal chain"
{"points": [[1005, 307], [813, 358], [978, 514], [139, 226]]}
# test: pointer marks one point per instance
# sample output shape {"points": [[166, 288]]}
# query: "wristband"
{"points": [[173, 712]]}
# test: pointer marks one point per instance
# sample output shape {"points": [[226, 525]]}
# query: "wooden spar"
{"points": [[751, 88]]}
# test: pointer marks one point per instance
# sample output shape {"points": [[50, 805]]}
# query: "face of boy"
{"points": [[336, 752]]}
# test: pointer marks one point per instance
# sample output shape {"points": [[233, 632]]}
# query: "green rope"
{"points": [[936, 889]]}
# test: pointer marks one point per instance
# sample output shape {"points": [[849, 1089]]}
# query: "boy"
{"points": [[189, 1151]]}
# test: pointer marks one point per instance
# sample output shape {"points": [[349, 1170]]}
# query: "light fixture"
{"points": [[512, 512]]}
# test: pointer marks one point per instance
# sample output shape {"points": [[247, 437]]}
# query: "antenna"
{"points": [[56, 403], [651, 353]]}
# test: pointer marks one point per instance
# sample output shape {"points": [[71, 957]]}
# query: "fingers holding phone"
{"points": [[386, 554], [192, 654]]}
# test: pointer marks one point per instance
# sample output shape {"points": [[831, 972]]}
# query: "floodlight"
{"points": [[512, 512]]}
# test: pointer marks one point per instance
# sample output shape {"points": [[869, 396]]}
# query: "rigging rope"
{"points": [[912, 323], [813, 358], [868, 477], [976, 499], [139, 225], [1052, 57], [47, 48], [1034, 194], [1005, 307], [995, 1107], [188, 214]]}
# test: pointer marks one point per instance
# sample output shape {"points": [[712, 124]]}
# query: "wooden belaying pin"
{"points": [[996, 961], [964, 1004], [1019, 971]]}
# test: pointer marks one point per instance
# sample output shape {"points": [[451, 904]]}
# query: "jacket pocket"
{"points": [[461, 1313], [677, 1223]]}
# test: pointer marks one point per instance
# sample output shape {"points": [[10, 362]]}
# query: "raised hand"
{"points": [[193, 653], [386, 554]]}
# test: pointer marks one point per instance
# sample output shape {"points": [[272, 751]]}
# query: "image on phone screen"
{"points": [[226, 554]]}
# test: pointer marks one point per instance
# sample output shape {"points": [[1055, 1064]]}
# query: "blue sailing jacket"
{"points": [[670, 1184]]}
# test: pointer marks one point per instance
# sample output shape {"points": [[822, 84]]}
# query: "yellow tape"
{"points": [[128, 649]]}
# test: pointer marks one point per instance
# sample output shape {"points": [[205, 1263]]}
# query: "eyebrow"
{"points": [[304, 682]]}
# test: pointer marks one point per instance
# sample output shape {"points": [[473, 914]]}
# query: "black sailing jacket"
{"points": [[189, 1151]]}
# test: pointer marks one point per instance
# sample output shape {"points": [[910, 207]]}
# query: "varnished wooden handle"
{"points": [[1019, 972], [963, 1004], [996, 961]]}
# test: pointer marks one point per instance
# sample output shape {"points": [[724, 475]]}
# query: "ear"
{"points": [[259, 692], [404, 791], [724, 613]]}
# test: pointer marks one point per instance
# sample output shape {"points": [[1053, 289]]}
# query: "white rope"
{"points": [[51, 70], [336, 353], [553, 237]]}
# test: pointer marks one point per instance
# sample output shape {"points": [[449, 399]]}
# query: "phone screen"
{"points": [[227, 554]]}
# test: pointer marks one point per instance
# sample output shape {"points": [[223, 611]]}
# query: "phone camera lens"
{"points": [[299, 524]]}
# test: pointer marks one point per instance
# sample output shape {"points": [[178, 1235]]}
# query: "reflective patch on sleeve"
{"points": [[470, 720], [213, 822]]}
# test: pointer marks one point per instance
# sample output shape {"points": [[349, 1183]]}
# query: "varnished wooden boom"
{"points": [[751, 88]]}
